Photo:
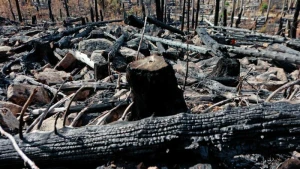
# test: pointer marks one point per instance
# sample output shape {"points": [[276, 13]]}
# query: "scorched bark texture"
{"points": [[221, 135]]}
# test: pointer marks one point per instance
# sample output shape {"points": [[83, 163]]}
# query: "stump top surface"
{"points": [[151, 63]]}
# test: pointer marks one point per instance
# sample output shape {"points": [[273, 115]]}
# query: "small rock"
{"points": [[19, 93], [52, 77], [130, 54], [290, 164], [8, 119], [97, 56], [94, 44], [66, 62], [15, 109]]}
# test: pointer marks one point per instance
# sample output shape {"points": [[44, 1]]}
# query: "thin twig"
{"points": [[107, 114], [21, 123], [187, 68], [293, 94], [217, 104], [126, 111], [74, 122], [140, 44], [51, 108], [44, 114], [55, 122], [19, 151], [69, 105], [282, 88]]}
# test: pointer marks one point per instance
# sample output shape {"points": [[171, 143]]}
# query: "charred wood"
{"points": [[217, 136]]}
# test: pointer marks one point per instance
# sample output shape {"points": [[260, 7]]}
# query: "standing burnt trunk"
{"points": [[188, 15], [162, 5], [193, 13], [197, 13], [217, 8], [280, 28], [101, 15], [19, 11], [268, 11], [67, 8], [96, 10], [92, 14], [11, 10], [50, 11], [238, 21], [33, 20], [295, 20], [232, 13], [154, 88], [225, 17], [159, 15], [183, 12]]}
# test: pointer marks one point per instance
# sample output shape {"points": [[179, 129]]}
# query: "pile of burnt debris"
{"points": [[134, 93]]}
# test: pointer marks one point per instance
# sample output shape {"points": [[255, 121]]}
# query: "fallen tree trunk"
{"points": [[269, 126], [265, 54], [134, 21], [216, 48], [173, 43]]}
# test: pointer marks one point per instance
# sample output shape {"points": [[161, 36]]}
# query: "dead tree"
{"points": [[19, 11], [188, 15], [295, 20], [96, 10], [183, 14], [268, 11], [66, 8], [11, 10], [197, 13], [92, 14], [238, 21], [232, 13], [217, 8], [50, 11], [159, 14]]}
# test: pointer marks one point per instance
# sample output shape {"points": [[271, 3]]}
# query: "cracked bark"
{"points": [[221, 135]]}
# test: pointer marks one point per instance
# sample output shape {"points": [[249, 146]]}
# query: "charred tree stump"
{"points": [[33, 20], [154, 88], [225, 17], [227, 72]]}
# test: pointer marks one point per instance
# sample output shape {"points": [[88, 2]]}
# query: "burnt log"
{"points": [[265, 54], [134, 21], [154, 88], [211, 137], [216, 49], [173, 43]]}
